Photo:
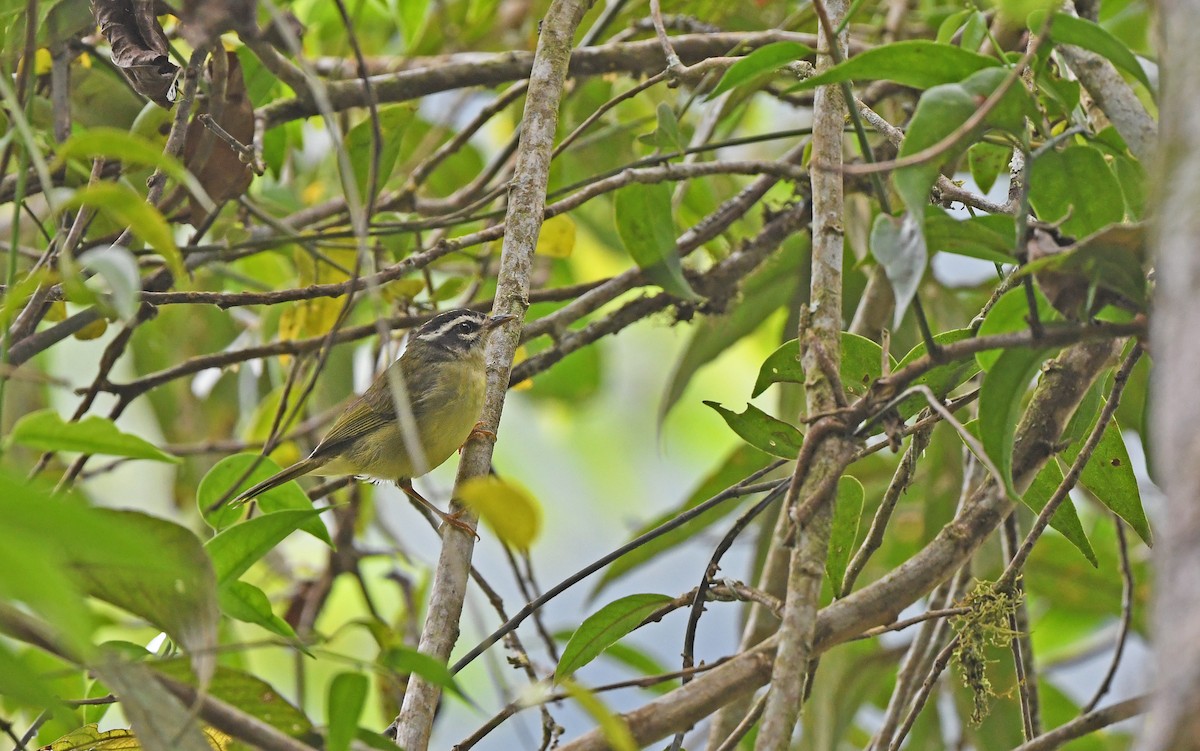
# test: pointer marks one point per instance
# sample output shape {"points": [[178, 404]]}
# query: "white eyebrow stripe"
{"points": [[446, 327]]}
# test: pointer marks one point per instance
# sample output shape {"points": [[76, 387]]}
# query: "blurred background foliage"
{"points": [[159, 384]]}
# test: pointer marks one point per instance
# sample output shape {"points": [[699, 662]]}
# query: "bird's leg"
{"points": [[451, 519]]}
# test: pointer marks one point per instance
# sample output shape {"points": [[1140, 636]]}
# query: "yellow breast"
{"points": [[445, 415]]}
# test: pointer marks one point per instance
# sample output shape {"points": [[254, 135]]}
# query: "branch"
{"points": [[524, 220], [1054, 400], [471, 69]]}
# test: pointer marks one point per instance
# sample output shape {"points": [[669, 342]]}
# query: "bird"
{"points": [[443, 374]]}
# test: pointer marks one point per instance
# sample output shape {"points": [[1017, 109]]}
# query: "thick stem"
{"points": [[527, 200]]}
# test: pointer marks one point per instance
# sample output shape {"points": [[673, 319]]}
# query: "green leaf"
{"points": [[509, 509], [408, 661], [248, 693], [1132, 177], [1011, 313], [131, 149], [950, 26], [764, 60], [942, 379], [1076, 186], [1000, 405], [667, 133], [160, 720], [739, 464], [917, 62], [1065, 518], [249, 604], [988, 237], [393, 121], [118, 268], [605, 627], [45, 430], [847, 513], [22, 685], [975, 31], [899, 246], [941, 111], [987, 161], [762, 431], [128, 208], [347, 697], [234, 550], [643, 218], [1109, 476], [862, 363], [1068, 29], [764, 292], [220, 481], [165, 578]]}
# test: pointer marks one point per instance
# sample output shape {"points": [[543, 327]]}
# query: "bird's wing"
{"points": [[361, 418]]}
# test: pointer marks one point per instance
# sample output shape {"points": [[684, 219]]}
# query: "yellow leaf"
{"points": [[93, 330], [614, 728], [509, 509], [89, 738], [520, 356], [41, 61], [557, 238]]}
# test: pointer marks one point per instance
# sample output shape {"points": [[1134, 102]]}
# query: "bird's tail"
{"points": [[302, 467]]}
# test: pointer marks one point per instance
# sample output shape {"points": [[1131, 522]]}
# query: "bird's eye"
{"points": [[464, 327]]}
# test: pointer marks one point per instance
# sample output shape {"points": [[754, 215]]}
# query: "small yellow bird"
{"points": [[443, 374]]}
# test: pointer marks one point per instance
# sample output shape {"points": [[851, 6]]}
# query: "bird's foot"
{"points": [[478, 432], [454, 519]]}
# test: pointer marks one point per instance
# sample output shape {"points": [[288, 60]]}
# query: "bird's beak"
{"points": [[494, 321]]}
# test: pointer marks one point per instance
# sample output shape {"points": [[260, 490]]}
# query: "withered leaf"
{"points": [[205, 20], [139, 47], [214, 162]]}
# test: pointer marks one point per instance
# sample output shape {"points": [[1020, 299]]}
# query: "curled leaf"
{"points": [[139, 47]]}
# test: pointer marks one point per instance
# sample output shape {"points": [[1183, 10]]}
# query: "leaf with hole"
{"points": [[1109, 476], [1065, 518], [762, 431], [604, 628]]}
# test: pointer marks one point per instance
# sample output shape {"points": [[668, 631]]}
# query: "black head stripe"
{"points": [[455, 329]]}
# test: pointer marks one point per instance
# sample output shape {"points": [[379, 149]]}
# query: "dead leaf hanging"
{"points": [[139, 47]]}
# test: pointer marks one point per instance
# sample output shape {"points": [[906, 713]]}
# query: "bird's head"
{"points": [[456, 333]]}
